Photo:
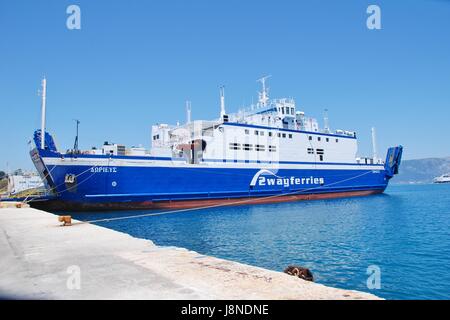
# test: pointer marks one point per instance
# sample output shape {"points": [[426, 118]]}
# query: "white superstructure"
{"points": [[270, 131]]}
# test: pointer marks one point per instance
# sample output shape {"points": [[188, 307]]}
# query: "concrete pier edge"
{"points": [[43, 260]]}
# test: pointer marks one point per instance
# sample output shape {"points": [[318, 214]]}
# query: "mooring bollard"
{"points": [[66, 220], [300, 272]]}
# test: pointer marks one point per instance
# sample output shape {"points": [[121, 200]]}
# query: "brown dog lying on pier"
{"points": [[302, 273]]}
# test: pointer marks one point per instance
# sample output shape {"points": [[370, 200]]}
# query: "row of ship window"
{"points": [[320, 139], [249, 147], [284, 135], [260, 147], [261, 133], [318, 151]]}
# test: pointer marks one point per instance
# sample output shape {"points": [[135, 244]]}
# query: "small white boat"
{"points": [[445, 178]]}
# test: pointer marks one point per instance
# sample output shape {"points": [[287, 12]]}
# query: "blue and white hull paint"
{"points": [[270, 152], [114, 182]]}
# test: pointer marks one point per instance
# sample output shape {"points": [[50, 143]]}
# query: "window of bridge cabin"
{"points": [[260, 147], [235, 146]]}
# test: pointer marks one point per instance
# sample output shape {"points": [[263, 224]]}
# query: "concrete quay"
{"points": [[40, 259]]}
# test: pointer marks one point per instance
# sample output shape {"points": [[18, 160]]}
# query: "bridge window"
{"points": [[337, 140], [235, 146], [260, 147], [310, 138], [247, 131], [318, 138], [290, 136], [328, 139]]}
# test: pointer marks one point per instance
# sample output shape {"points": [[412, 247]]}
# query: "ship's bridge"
{"points": [[277, 113]]}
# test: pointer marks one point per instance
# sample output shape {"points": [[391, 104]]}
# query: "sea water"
{"points": [[404, 234]]}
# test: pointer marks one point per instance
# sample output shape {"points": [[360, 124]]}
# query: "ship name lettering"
{"points": [[104, 169], [286, 182]]}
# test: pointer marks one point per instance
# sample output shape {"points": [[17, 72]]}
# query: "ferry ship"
{"points": [[268, 152]]}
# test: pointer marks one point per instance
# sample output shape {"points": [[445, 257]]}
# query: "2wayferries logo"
{"points": [[266, 177]]}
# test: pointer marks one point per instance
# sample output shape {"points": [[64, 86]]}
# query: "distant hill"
{"points": [[422, 170]]}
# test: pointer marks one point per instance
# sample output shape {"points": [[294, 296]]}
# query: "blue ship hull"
{"points": [[78, 182]]}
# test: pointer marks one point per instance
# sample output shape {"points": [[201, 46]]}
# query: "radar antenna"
{"points": [[264, 94]]}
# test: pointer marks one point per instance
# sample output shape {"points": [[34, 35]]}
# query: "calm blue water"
{"points": [[406, 232]]}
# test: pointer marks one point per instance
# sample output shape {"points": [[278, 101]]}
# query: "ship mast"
{"points": [[222, 101], [188, 111], [326, 124], [264, 94], [75, 145], [374, 145], [44, 93]]}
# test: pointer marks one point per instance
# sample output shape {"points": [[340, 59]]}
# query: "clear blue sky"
{"points": [[134, 63]]}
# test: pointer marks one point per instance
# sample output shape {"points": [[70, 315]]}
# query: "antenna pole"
{"points": [[325, 121], [75, 145], [222, 102], [188, 112], [374, 145], [44, 96]]}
